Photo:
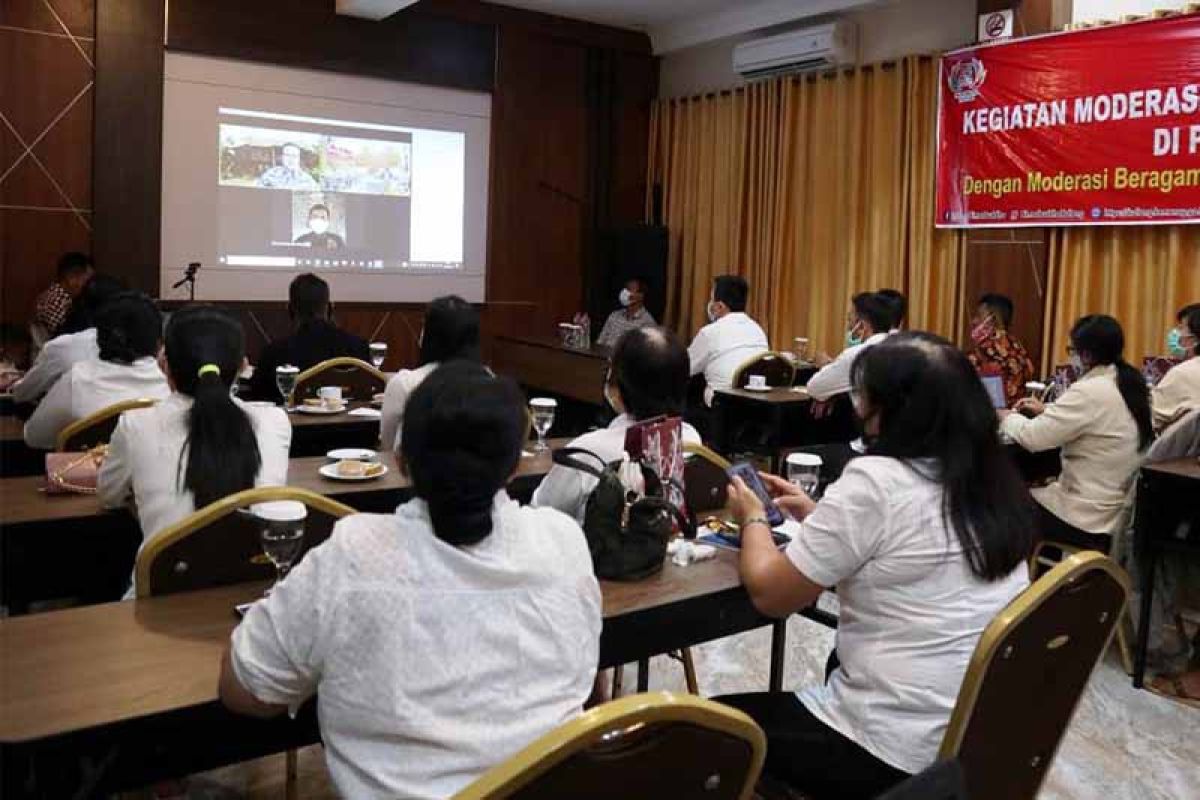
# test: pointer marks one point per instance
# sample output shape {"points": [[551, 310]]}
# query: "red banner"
{"points": [[1093, 127]]}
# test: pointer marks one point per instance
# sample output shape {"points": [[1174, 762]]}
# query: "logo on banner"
{"points": [[965, 78]]}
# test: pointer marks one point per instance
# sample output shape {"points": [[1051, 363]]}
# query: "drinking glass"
{"points": [[542, 411], [804, 471], [378, 353], [800, 348], [282, 534], [285, 381]]}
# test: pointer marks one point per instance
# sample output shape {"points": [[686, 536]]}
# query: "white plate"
{"points": [[330, 471], [320, 410], [758, 388], [352, 454]]}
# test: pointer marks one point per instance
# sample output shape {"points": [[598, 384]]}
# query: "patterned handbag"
{"points": [[74, 473]]}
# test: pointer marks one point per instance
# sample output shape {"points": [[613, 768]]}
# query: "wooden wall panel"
{"points": [[46, 112]]}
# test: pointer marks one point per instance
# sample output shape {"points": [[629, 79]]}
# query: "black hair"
{"points": [[308, 297], [319, 207], [128, 327], [73, 263], [1000, 306], [463, 429], [451, 331], [643, 287], [1186, 311], [99, 289], [650, 370], [1099, 337], [732, 290], [932, 407], [1193, 324], [897, 304], [874, 309], [221, 449]]}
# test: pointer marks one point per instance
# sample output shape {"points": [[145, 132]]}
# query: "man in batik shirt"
{"points": [[996, 351]]}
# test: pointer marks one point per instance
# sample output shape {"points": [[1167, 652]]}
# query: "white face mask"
{"points": [[318, 225], [610, 397], [625, 298], [711, 311], [1077, 363]]}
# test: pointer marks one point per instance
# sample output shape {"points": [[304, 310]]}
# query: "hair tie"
{"points": [[207, 369]]}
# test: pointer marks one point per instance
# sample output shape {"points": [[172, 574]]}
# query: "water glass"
{"points": [[542, 410], [285, 380], [378, 353], [804, 471], [282, 533], [800, 348]]}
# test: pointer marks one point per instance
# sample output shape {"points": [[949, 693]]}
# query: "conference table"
{"points": [[68, 545], [547, 365], [16, 457], [729, 404], [111, 697]]}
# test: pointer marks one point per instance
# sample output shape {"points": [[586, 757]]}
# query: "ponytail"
{"points": [[1132, 385], [205, 347]]}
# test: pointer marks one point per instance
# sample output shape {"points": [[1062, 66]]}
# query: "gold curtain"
{"points": [[813, 188], [1139, 274]]}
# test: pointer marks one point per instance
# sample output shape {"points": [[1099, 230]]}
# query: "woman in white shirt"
{"points": [[1103, 425], [128, 334], [442, 638], [924, 537], [1179, 389], [200, 444], [450, 333]]}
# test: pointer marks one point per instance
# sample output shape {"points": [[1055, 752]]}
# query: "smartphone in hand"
{"points": [[749, 476]]}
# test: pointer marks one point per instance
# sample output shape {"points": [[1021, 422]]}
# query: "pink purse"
{"points": [[74, 473]]}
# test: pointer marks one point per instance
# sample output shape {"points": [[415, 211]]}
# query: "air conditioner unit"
{"points": [[804, 50]]}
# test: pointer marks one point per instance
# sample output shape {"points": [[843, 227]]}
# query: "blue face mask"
{"points": [[853, 339], [1175, 347]]}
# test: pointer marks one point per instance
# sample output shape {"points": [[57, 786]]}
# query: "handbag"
{"points": [[627, 533], [74, 473]]}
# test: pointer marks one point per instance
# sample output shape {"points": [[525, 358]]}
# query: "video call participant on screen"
{"points": [[315, 337], [632, 313], [318, 236], [288, 173]]}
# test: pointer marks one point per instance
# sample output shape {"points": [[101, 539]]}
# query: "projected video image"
{"points": [[271, 158], [318, 221]]}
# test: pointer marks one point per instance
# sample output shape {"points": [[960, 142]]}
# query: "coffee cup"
{"points": [[331, 396], [757, 382]]}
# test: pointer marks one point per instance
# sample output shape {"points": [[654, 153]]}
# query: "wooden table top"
{"points": [[82, 668], [23, 501], [1187, 467], [780, 395], [598, 352], [299, 420]]}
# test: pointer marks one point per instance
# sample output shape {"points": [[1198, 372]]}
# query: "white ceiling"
{"points": [[676, 24]]}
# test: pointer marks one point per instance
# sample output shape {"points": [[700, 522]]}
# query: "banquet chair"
{"points": [[1028, 673], [645, 745], [218, 545], [359, 380], [96, 428], [775, 367], [705, 480]]}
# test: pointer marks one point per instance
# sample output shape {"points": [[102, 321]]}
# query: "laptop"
{"points": [[994, 385]]}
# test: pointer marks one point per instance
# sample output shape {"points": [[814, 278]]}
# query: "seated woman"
{"points": [[924, 537], [440, 639], [200, 444], [128, 334], [450, 333], [1103, 424]]}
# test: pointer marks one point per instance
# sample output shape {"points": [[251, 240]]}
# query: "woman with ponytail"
{"points": [[200, 444], [1103, 425], [439, 639]]}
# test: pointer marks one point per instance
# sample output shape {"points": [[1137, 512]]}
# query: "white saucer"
{"points": [[352, 454], [758, 388], [330, 471], [321, 410]]}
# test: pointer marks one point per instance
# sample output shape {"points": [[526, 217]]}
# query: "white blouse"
{"points": [[146, 460], [911, 610], [55, 360], [88, 387], [395, 398], [431, 663]]}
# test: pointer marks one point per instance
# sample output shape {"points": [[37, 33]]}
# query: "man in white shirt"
{"points": [[128, 334], [61, 353], [729, 339], [648, 379], [1179, 389], [868, 323]]}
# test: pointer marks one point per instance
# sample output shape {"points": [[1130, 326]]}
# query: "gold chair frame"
{"points": [[769, 354], [97, 418], [335, 363]]}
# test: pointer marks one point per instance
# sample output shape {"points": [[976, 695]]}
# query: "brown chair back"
{"points": [[776, 368], [646, 745], [705, 482], [359, 380], [96, 428], [1027, 674], [219, 544]]}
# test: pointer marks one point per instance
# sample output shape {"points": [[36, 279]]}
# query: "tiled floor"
{"points": [[1123, 744]]}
